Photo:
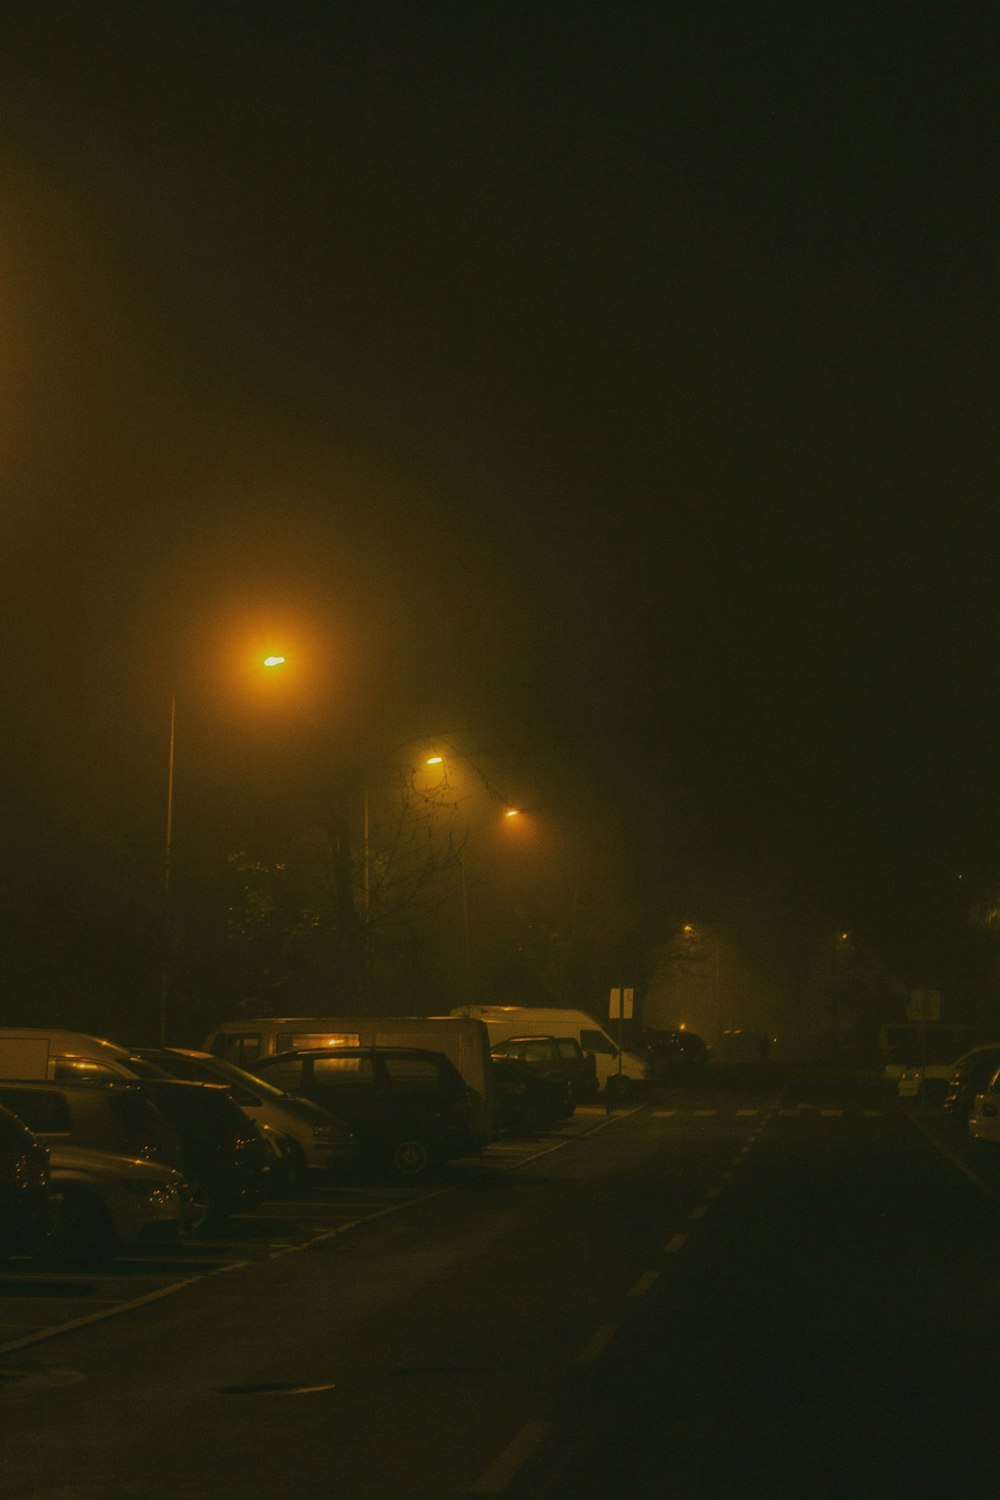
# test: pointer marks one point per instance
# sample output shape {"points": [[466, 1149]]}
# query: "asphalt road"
{"points": [[766, 1286]]}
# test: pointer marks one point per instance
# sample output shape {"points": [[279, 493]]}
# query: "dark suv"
{"points": [[222, 1154], [558, 1057], [26, 1208], [409, 1108]]}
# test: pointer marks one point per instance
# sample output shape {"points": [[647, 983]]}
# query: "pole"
{"points": [[168, 852], [469, 997]]}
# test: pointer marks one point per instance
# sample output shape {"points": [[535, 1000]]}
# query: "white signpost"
{"points": [[620, 1009]]}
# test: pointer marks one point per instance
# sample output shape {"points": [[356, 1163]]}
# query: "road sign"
{"points": [[621, 1006]]}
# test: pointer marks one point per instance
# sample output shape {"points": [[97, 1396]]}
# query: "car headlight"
{"points": [[910, 1075]]}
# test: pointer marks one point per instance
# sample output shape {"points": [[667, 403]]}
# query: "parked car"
{"points": [[27, 1204], [112, 1117], [314, 1138], [110, 1203], [194, 1127], [526, 1101], [409, 1108], [984, 1116], [911, 1044], [674, 1055], [969, 1077], [559, 1057], [222, 1154], [465, 1042], [617, 1067], [45, 1053], [928, 1082]]}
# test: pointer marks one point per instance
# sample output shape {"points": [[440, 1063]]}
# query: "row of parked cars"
{"points": [[103, 1146], [967, 1089]]}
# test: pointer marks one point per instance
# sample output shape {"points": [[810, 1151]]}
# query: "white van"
{"points": [[502, 1021], [464, 1041], [36, 1052]]}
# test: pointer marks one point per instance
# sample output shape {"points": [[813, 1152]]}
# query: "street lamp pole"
{"points": [[167, 861]]}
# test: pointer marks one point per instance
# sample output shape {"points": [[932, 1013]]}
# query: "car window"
{"points": [[345, 1074], [141, 1124], [567, 1047], [596, 1041], [43, 1112], [82, 1069], [413, 1075], [286, 1075], [238, 1046], [504, 1049], [14, 1133], [535, 1052], [297, 1041]]}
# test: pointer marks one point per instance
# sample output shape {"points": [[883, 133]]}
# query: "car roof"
{"points": [[354, 1052], [534, 1036], [77, 1085]]}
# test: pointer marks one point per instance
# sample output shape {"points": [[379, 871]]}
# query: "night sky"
{"points": [[608, 386]]}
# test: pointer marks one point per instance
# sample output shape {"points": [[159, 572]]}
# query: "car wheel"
{"points": [[85, 1236], [297, 1169], [203, 1209], [410, 1157]]}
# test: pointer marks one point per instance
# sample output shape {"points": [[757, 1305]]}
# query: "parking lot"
{"points": [[36, 1305]]}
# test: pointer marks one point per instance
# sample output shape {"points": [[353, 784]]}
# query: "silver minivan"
{"points": [[319, 1139]]}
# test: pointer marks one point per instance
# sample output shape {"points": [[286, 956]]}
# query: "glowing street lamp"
{"points": [[274, 661]]}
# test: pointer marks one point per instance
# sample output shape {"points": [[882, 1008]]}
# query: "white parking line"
{"points": [[663, 1114], [699, 1212], [745, 1114], [511, 1459], [643, 1285], [704, 1113], [831, 1114], [675, 1243], [602, 1338]]}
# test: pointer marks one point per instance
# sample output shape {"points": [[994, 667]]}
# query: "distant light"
{"points": [[844, 936], [511, 812], [273, 661], [682, 1026], [435, 760], [688, 929]]}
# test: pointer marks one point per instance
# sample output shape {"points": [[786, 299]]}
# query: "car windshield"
{"points": [[221, 1070]]}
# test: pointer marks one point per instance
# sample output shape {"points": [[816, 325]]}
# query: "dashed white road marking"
{"points": [[704, 1113], [675, 1243], [745, 1114], [831, 1114], [516, 1453], [699, 1212], [602, 1338], [663, 1114], [642, 1286]]}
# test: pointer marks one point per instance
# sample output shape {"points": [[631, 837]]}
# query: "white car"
{"points": [[984, 1116], [929, 1082], [108, 1203]]}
